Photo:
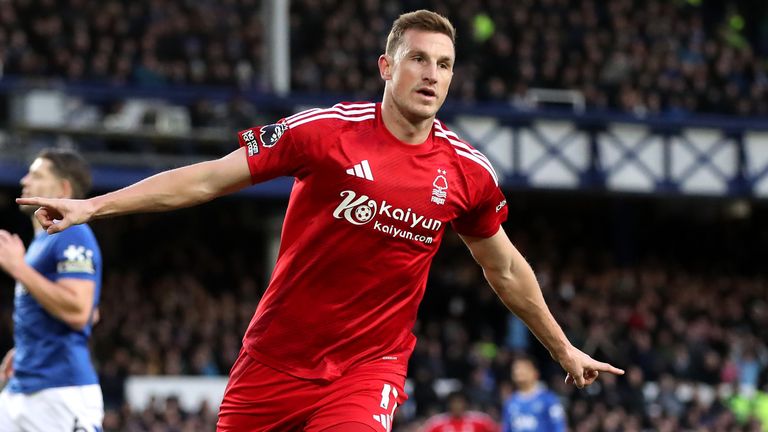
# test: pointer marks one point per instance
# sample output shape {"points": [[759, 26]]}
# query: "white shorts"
{"points": [[61, 409]]}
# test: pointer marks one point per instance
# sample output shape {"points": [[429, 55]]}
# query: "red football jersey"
{"points": [[365, 217], [470, 422]]}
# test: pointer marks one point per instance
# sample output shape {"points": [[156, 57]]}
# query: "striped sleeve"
{"points": [[285, 148], [488, 207], [271, 151], [465, 150]]}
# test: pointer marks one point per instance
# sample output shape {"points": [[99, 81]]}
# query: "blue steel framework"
{"points": [[691, 155]]}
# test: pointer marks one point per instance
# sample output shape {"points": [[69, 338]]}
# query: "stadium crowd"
{"points": [[693, 339], [641, 57]]}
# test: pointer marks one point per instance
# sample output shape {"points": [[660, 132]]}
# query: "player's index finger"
{"points": [[605, 367], [29, 201]]}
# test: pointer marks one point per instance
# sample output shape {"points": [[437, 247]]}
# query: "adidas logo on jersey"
{"points": [[362, 170]]}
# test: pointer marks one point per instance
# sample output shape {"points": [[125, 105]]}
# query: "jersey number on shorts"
{"points": [[386, 418]]}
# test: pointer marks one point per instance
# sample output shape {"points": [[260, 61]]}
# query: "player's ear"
{"points": [[385, 67]]}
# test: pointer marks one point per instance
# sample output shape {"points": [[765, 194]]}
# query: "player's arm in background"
{"points": [[168, 190], [513, 280], [69, 299], [6, 366]]}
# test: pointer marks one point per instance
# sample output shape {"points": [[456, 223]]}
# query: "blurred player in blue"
{"points": [[51, 384], [531, 408]]}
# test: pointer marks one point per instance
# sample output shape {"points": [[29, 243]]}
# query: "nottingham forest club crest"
{"points": [[440, 187]]}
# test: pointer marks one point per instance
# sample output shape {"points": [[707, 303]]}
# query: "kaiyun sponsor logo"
{"points": [[361, 209]]}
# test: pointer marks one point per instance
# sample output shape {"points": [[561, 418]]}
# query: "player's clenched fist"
{"points": [[11, 252]]}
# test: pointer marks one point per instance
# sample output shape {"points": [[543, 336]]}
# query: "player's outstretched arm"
{"points": [[168, 190], [510, 275]]}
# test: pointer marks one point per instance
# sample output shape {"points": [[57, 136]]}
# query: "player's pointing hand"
{"points": [[583, 370], [56, 215]]}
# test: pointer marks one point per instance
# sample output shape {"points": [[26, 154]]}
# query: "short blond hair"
{"points": [[420, 20]]}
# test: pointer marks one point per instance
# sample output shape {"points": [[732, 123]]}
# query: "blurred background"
{"points": [[631, 138]]}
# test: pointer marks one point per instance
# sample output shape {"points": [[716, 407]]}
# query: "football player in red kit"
{"points": [[459, 418], [375, 186]]}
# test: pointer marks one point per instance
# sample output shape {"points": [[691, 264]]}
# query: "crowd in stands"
{"points": [[641, 57], [690, 333], [690, 325], [149, 43], [161, 415]]}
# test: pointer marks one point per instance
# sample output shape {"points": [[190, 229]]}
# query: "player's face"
{"points": [[457, 406], [420, 73], [40, 181], [524, 374]]}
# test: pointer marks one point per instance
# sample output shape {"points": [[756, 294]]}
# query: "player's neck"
{"points": [[529, 389], [404, 129]]}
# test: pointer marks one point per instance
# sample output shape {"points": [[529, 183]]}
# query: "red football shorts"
{"points": [[260, 398]]}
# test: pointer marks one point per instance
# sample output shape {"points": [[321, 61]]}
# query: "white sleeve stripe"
{"points": [[337, 107], [313, 114], [326, 116], [301, 113], [328, 110], [445, 130], [481, 163], [455, 140], [458, 143], [472, 151], [442, 128], [356, 105], [449, 134]]}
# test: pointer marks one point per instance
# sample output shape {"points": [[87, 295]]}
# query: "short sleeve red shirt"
{"points": [[366, 215]]}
